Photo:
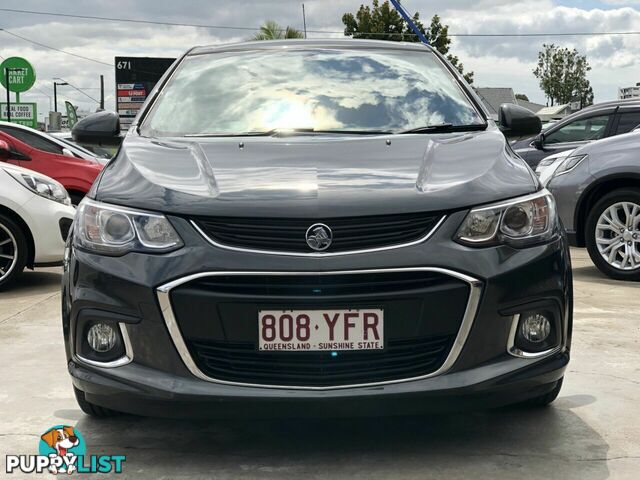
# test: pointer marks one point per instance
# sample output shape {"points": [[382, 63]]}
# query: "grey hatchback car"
{"points": [[597, 190], [319, 226]]}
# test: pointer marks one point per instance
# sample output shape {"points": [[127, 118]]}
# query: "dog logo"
{"points": [[319, 237], [65, 442]]}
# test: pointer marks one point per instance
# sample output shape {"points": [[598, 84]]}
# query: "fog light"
{"points": [[535, 327], [102, 337]]}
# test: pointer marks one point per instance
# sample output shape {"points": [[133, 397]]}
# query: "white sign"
{"points": [[19, 111], [22, 113]]}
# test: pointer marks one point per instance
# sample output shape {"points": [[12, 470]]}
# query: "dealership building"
{"points": [[629, 92]]}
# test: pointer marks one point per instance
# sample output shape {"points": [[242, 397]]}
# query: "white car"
{"points": [[35, 219], [548, 165]]}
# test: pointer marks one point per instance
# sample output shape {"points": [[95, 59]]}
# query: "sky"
{"points": [[497, 62]]}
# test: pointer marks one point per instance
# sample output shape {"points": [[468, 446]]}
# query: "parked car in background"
{"points": [[76, 173], [94, 150], [548, 165], [591, 123], [49, 142], [597, 190], [35, 218]]}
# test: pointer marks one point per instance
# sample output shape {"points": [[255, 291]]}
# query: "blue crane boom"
{"points": [[409, 20]]}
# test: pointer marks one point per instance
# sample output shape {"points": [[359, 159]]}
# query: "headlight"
{"points": [[114, 230], [545, 162], [518, 222], [43, 186], [569, 164]]}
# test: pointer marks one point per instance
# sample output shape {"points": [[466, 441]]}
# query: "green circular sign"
{"points": [[22, 76]]}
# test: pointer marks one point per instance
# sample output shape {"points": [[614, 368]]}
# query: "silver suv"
{"points": [[597, 189]]}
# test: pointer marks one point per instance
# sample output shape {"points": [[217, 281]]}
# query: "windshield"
{"points": [[362, 91]]}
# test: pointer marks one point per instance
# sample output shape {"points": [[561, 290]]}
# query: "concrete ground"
{"points": [[591, 432]]}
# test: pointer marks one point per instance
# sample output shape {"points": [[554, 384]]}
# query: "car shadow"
{"points": [[590, 273], [35, 281], [510, 442]]}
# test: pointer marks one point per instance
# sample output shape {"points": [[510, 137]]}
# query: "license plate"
{"points": [[314, 330]]}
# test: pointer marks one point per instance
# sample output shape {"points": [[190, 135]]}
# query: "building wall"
{"points": [[629, 92]]}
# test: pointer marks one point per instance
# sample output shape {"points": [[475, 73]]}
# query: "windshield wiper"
{"points": [[267, 133], [355, 132], [283, 132], [445, 127]]}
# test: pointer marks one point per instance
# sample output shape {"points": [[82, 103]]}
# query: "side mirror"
{"points": [[100, 128], [5, 151], [517, 121], [68, 153], [538, 142], [7, 154]]}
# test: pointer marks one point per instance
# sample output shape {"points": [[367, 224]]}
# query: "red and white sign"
{"points": [[315, 330], [131, 93]]}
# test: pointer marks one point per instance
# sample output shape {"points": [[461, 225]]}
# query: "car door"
{"points": [[570, 134], [577, 133], [627, 119], [22, 151], [44, 156], [33, 139]]}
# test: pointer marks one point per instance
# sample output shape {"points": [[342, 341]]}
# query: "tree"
{"points": [[438, 36], [383, 22], [562, 74], [522, 96], [272, 31]]}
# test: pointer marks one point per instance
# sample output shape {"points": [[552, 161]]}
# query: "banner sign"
{"points": [[72, 116]]}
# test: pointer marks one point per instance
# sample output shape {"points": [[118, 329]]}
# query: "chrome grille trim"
{"points": [[319, 254], [475, 291]]}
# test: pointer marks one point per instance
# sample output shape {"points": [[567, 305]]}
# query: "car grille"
{"points": [[288, 234], [240, 362], [218, 319]]}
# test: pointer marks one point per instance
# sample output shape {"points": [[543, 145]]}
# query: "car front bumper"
{"points": [[49, 223], [155, 377], [142, 391]]}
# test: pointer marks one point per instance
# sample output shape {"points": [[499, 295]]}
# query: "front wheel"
{"points": [[13, 251], [92, 409], [547, 398], [613, 234]]}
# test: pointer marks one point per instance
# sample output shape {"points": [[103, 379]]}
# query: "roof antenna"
{"points": [[409, 20]]}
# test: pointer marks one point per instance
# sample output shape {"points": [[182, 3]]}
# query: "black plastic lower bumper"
{"points": [[133, 391]]}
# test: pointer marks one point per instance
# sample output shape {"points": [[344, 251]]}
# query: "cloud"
{"points": [[502, 61], [508, 61], [621, 2]]}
